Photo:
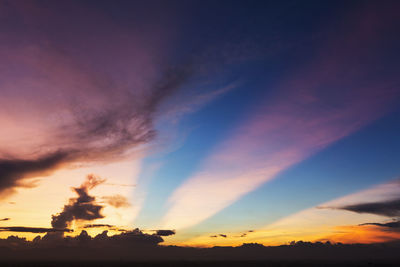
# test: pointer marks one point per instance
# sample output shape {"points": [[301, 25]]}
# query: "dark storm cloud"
{"points": [[165, 232], [12, 171], [390, 208], [22, 229], [83, 207]]}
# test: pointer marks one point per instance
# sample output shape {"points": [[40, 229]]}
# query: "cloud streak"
{"points": [[390, 208], [382, 200], [13, 171], [165, 232], [390, 225], [313, 107], [98, 226], [117, 201], [22, 229]]}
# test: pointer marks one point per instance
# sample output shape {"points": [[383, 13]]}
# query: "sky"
{"points": [[201, 123]]}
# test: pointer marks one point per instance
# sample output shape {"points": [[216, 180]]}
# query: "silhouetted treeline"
{"points": [[141, 247]]}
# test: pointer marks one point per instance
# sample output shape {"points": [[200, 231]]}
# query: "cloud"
{"points": [[390, 225], [12, 171], [83, 207], [103, 133], [327, 222], [4, 219], [219, 235], [128, 239], [122, 185], [22, 229], [81, 108], [53, 239], [245, 234], [165, 232], [117, 201], [312, 107], [389, 208], [93, 106], [98, 226]]}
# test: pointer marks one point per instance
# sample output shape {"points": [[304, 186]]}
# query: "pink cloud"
{"points": [[332, 96]]}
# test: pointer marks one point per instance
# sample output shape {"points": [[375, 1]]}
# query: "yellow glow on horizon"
{"points": [[33, 207], [313, 224]]}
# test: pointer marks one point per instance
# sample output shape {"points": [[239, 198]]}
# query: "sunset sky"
{"points": [[227, 122]]}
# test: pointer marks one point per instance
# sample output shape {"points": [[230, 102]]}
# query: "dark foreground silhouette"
{"points": [[199, 263], [138, 249]]}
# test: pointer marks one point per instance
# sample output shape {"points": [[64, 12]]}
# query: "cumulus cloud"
{"points": [[84, 207], [52, 239], [128, 238]]}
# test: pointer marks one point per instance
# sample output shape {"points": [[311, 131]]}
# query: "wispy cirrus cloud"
{"points": [[78, 107], [85, 99], [313, 107]]}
